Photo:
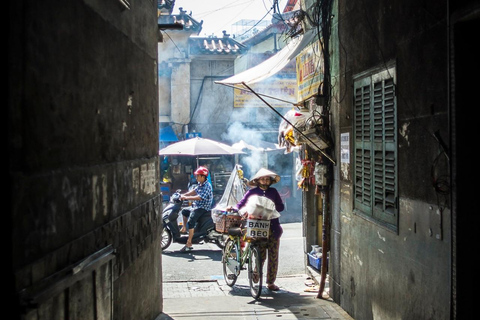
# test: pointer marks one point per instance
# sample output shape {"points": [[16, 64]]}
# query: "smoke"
{"points": [[253, 160], [237, 131]]}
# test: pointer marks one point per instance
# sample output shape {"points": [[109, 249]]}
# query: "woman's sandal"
{"points": [[273, 287]]}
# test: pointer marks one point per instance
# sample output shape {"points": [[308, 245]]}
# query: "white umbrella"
{"points": [[198, 146]]}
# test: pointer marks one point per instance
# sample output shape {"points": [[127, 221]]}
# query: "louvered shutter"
{"points": [[363, 172], [384, 135], [375, 148]]}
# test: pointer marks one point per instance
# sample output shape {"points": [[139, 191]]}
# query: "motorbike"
{"points": [[204, 231]]}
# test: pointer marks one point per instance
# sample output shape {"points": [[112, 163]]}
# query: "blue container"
{"points": [[165, 190], [314, 261]]}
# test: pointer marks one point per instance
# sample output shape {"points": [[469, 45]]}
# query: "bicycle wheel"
{"points": [[166, 238], [230, 261], [255, 274]]}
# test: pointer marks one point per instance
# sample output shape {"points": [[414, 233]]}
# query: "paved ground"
{"points": [[213, 299], [193, 286]]}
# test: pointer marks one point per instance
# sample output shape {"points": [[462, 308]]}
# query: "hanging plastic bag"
{"points": [[234, 192], [298, 169]]}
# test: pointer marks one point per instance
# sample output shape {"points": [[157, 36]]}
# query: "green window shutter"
{"points": [[363, 172], [375, 144], [385, 191]]}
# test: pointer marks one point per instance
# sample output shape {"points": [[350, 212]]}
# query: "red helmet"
{"points": [[201, 170]]}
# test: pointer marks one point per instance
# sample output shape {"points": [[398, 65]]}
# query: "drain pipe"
{"points": [[325, 241], [200, 92]]}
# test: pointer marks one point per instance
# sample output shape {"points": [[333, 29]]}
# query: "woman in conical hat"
{"points": [[263, 173], [261, 186]]}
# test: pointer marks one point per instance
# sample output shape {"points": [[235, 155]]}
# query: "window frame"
{"points": [[375, 147]]}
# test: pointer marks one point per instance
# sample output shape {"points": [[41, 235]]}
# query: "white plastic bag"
{"points": [[260, 207]]}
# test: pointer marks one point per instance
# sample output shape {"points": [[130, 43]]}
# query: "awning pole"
{"points": [[326, 155]]}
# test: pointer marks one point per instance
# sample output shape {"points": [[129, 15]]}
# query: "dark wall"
{"points": [[464, 87], [405, 273], [414, 36], [83, 155]]}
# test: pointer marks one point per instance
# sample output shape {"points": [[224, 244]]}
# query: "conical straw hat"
{"points": [[263, 173]]}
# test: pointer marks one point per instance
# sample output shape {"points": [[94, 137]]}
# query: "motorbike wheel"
{"points": [[167, 238], [221, 241]]}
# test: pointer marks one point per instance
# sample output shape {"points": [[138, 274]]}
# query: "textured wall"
{"points": [[383, 274], [83, 151]]}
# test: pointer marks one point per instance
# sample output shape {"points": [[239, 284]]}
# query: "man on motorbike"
{"points": [[202, 197]]}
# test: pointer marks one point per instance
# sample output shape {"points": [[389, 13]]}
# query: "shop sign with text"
{"points": [[309, 71], [282, 86]]}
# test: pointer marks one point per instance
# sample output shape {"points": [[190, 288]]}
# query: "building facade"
{"points": [[188, 66], [397, 228], [390, 211]]}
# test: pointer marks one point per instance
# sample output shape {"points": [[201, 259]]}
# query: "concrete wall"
{"points": [[174, 79], [83, 160], [380, 274], [211, 104], [188, 97]]}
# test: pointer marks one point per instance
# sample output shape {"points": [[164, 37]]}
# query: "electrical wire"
{"points": [[227, 6], [255, 23], [239, 13], [202, 15], [173, 42]]}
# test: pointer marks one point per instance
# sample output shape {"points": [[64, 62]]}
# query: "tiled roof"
{"points": [[215, 46], [189, 24]]}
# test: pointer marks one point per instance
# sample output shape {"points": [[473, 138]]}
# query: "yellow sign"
{"points": [[309, 71], [280, 87]]}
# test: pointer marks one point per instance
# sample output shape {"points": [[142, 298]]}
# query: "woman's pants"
{"points": [[271, 251]]}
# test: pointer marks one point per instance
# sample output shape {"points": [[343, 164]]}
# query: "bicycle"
{"points": [[235, 257]]}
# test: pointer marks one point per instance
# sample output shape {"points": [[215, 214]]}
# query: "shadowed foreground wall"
{"points": [[85, 207]]}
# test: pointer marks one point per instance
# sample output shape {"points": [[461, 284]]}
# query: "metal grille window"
{"points": [[375, 148]]}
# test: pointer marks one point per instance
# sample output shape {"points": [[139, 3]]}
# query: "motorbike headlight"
{"points": [[217, 212]]}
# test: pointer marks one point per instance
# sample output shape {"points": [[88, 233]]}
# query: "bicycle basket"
{"points": [[225, 222]]}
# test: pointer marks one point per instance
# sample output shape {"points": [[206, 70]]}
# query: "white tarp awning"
{"points": [[273, 64], [270, 67]]}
